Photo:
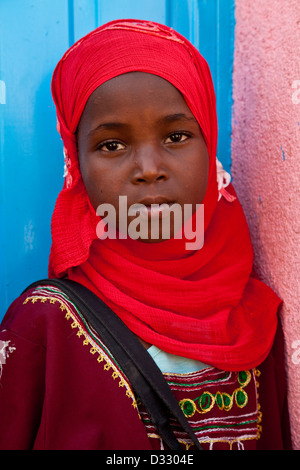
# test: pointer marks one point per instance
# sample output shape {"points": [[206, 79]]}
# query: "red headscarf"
{"points": [[202, 304]]}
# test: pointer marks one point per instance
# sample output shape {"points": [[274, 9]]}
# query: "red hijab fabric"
{"points": [[200, 304]]}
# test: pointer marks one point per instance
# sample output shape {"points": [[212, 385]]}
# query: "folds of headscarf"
{"points": [[202, 304]]}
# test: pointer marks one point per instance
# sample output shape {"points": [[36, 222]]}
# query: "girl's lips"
{"points": [[157, 200], [156, 209]]}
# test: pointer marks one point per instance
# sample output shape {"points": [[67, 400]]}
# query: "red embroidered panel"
{"points": [[222, 408]]}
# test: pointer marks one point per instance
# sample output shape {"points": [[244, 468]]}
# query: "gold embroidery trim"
{"points": [[87, 340], [257, 374]]}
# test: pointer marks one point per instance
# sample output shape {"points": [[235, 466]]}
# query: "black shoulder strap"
{"points": [[142, 372]]}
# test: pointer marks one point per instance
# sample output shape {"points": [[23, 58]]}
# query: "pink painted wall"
{"points": [[266, 157]]}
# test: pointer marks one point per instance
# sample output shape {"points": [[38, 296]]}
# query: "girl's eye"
{"points": [[112, 146], [176, 137]]}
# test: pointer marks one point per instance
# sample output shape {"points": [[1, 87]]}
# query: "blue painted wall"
{"points": [[33, 36]]}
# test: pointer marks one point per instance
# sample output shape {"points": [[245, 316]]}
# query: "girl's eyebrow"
{"points": [[108, 126], [176, 117]]}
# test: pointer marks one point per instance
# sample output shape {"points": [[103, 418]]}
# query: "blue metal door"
{"points": [[33, 36]]}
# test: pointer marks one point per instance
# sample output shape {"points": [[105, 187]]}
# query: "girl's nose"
{"points": [[149, 166]]}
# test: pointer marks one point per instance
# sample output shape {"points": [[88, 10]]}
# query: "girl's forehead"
{"points": [[135, 90], [133, 83]]}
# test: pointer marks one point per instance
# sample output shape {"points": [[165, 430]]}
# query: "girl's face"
{"points": [[138, 138]]}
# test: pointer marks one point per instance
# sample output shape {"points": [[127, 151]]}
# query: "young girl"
{"points": [[137, 116]]}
